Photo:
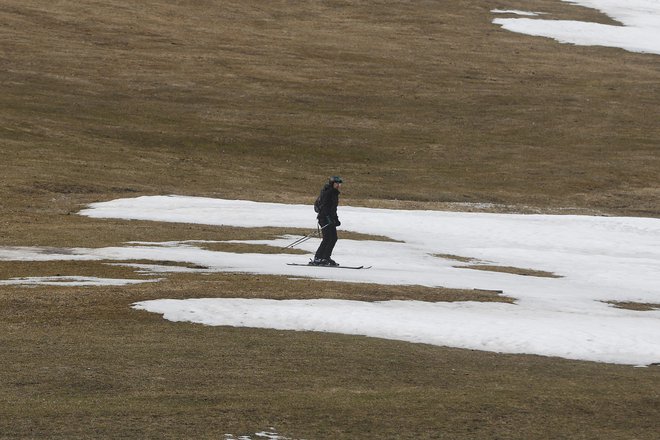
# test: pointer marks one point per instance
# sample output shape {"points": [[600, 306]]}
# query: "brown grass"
{"points": [[79, 363], [511, 270], [421, 105], [455, 258], [637, 306]]}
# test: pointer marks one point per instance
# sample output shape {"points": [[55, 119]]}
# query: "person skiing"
{"points": [[326, 206]]}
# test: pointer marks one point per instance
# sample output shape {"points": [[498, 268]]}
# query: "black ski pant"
{"points": [[328, 243]]}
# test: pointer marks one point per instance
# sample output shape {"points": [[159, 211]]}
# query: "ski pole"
{"points": [[300, 240], [306, 237]]}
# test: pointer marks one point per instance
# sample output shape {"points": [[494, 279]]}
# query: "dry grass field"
{"points": [[422, 104]]}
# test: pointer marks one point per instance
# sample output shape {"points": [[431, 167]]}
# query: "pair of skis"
{"points": [[333, 267], [307, 237]]}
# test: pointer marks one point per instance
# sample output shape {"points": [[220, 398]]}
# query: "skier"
{"points": [[326, 206]]}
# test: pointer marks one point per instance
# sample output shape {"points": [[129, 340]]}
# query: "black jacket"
{"points": [[329, 202]]}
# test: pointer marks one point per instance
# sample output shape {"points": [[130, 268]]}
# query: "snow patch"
{"points": [[271, 434], [599, 260], [72, 281], [516, 12], [503, 328], [639, 32]]}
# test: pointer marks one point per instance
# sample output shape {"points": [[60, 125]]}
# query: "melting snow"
{"points": [[597, 259], [639, 30]]}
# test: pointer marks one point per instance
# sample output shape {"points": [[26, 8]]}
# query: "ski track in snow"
{"points": [[639, 30], [597, 258]]}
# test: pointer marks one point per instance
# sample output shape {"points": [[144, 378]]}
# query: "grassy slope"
{"points": [[415, 103]]}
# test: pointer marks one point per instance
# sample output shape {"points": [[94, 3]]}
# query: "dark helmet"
{"points": [[336, 179]]}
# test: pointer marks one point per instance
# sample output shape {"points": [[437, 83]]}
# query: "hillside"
{"points": [[419, 101], [418, 105]]}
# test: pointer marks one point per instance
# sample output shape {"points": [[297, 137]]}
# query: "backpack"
{"points": [[317, 204]]}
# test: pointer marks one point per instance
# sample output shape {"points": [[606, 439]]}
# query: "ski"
{"points": [[333, 267]]}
